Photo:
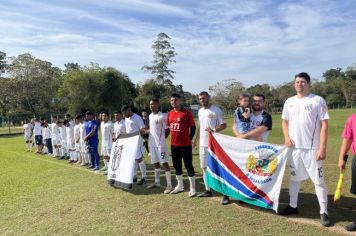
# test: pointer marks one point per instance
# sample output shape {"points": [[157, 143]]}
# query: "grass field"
{"points": [[40, 195]]}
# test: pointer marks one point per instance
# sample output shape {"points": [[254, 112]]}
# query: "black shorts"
{"points": [[38, 139], [353, 176]]}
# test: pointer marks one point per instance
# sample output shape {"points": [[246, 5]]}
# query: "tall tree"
{"points": [[163, 56], [3, 62]]}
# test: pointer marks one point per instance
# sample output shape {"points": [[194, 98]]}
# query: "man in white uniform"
{"points": [[37, 130], [134, 123], [55, 135], [305, 129], [211, 119], [77, 120], [119, 125], [63, 137], [107, 129], [27, 130], [70, 142], [157, 145]]}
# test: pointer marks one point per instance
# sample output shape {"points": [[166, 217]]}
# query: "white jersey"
{"points": [[28, 130], [70, 134], [82, 132], [46, 132], [133, 123], [37, 130], [55, 132], [119, 127], [209, 118], [304, 116], [107, 128], [157, 130], [77, 132], [63, 133]]}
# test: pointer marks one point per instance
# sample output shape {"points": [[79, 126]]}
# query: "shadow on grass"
{"points": [[308, 206]]}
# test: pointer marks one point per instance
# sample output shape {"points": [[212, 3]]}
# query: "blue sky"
{"points": [[252, 41]]}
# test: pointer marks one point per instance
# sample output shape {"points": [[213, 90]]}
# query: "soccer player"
{"points": [[146, 122], [157, 145], [83, 145], [70, 141], [211, 119], [27, 130], [55, 135], [107, 129], [77, 120], [134, 123], [37, 130], [47, 137], [349, 142], [119, 125], [91, 131], [181, 126], [63, 133], [305, 128]]}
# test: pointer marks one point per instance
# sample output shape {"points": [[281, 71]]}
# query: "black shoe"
{"points": [[225, 200], [142, 181], [351, 227], [134, 180], [288, 211], [325, 220], [206, 193]]}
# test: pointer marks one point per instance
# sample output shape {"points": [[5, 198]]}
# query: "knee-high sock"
{"points": [[322, 194], [142, 166], [293, 193], [180, 181], [135, 170], [169, 178], [157, 176], [205, 181], [192, 184]]}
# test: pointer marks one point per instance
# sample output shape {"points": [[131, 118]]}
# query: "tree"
{"points": [[35, 83], [224, 93], [3, 62], [163, 56]]}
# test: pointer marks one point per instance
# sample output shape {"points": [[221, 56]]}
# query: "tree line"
{"points": [[33, 87]]}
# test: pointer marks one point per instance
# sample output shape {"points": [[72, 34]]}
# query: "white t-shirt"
{"points": [[82, 132], [119, 127], [28, 129], [62, 131], [304, 116], [133, 123], [209, 118], [77, 132], [157, 130], [46, 132], [106, 134], [70, 133], [55, 132], [37, 130]]}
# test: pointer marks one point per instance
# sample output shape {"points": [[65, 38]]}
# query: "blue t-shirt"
{"points": [[243, 125], [89, 126]]}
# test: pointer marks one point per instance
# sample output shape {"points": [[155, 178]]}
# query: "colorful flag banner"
{"points": [[246, 170]]}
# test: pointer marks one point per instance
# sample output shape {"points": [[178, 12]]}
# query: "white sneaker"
{"points": [[168, 190], [192, 194], [177, 189], [154, 185]]}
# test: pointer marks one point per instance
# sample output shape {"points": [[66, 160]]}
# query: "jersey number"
{"points": [[175, 126]]}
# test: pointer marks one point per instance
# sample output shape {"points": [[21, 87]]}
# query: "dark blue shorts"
{"points": [[38, 140], [353, 175]]}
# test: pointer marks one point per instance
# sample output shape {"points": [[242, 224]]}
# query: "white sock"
{"points": [[157, 175], [169, 178], [293, 193], [142, 166], [30, 146], [135, 170], [322, 194], [180, 181], [105, 162], [192, 184], [205, 181]]}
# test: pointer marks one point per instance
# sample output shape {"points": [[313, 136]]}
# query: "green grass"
{"points": [[40, 195]]}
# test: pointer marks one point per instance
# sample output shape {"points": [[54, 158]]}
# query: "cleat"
{"points": [[154, 185], [288, 211], [325, 220], [351, 227], [142, 181], [225, 200], [168, 190], [177, 189], [206, 193]]}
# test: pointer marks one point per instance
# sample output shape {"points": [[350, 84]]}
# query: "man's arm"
{"points": [[192, 132], [196, 140], [321, 154], [345, 147], [254, 133], [287, 140]]}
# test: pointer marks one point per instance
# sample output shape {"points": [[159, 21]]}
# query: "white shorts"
{"points": [[159, 155], [303, 165], [105, 151], [56, 142], [203, 155], [84, 148]]}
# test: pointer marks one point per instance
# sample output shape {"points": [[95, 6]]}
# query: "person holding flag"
{"points": [[211, 119], [349, 142]]}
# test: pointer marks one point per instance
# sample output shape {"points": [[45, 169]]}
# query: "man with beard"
{"points": [[261, 125]]}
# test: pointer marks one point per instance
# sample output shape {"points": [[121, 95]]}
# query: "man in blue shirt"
{"points": [[92, 140]]}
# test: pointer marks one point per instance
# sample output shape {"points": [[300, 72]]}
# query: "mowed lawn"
{"points": [[40, 195]]}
